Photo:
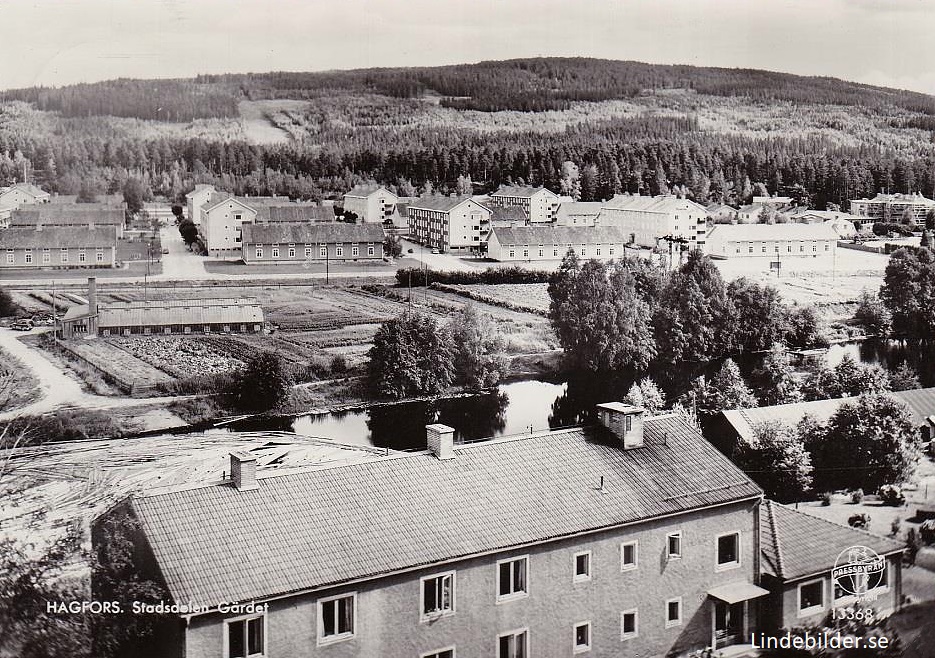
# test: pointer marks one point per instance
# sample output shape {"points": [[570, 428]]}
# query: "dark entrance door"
{"points": [[728, 623]]}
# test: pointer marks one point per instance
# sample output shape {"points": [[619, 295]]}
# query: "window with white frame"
{"points": [[259, 252], [370, 251], [64, 255], [10, 256], [337, 617], [438, 595], [673, 612], [728, 550], [629, 555], [440, 653], [811, 597], [629, 624], [582, 566], [99, 256], [323, 251], [291, 252], [246, 637], [555, 253], [512, 253], [674, 544], [308, 252], [525, 253], [46, 256], [355, 251], [512, 578], [582, 637], [28, 255], [610, 251], [514, 644], [339, 251], [275, 252]]}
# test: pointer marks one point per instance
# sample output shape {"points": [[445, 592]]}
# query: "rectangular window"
{"points": [[512, 253], [629, 624], [728, 550], [259, 252], [789, 249], [610, 251], [598, 252], [811, 597], [511, 579], [673, 612], [370, 250], [827, 246], [323, 252], [750, 249], [582, 637], [46, 256], [674, 545], [555, 253], [339, 251], [441, 653], [525, 253], [628, 555], [28, 256], [64, 255], [308, 252], [582, 566], [10, 256], [291, 252], [337, 618], [99, 256], [540, 253], [513, 645], [275, 252], [438, 595], [355, 251], [245, 637]]}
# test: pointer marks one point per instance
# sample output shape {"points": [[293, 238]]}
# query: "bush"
{"points": [[264, 383], [338, 365], [492, 275], [857, 496], [891, 495], [826, 498], [885, 228], [7, 305], [859, 520]]}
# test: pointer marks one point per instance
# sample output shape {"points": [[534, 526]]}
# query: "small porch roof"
{"points": [[737, 592]]}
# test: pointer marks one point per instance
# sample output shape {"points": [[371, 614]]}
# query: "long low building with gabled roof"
{"points": [[529, 243], [286, 242], [63, 247]]}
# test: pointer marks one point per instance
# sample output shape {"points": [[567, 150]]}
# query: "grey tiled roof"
{"points": [[534, 235], [180, 312], [331, 525], [295, 212], [510, 214], [63, 214], [519, 191], [54, 237], [287, 233], [795, 544], [443, 203]]}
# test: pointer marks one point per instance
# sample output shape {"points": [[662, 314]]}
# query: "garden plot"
{"points": [[180, 357], [533, 297], [128, 371]]}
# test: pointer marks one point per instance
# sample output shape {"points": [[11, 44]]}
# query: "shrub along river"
{"points": [[519, 406]]}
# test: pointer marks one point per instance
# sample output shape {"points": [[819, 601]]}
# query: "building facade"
{"points": [[539, 204], [578, 213], [534, 243], [893, 208], [371, 203], [222, 221], [772, 241], [22, 194], [646, 220], [449, 223], [639, 548], [296, 243], [196, 199], [58, 247]]}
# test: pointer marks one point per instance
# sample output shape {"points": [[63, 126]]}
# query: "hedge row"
{"points": [[492, 275]]}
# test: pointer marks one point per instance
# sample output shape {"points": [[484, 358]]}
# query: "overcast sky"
{"points": [[56, 42]]}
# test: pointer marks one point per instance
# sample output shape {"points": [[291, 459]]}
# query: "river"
{"points": [[532, 404]]}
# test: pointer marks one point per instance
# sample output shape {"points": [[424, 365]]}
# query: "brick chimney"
{"points": [[624, 421], [92, 295], [440, 440], [243, 471]]}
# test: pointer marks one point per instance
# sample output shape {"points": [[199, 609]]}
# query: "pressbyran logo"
{"points": [[858, 570]]}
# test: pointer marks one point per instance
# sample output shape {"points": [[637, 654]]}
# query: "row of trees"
{"points": [[627, 314], [908, 294], [414, 355]]}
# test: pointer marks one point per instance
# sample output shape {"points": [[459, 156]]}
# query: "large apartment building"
{"points": [[893, 207], [371, 203], [632, 537], [455, 223], [223, 217], [647, 219], [539, 204]]}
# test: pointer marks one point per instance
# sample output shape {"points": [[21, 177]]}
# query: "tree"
{"points": [[411, 356], [645, 393], [806, 328], [392, 246], [463, 186], [405, 188], [904, 378], [177, 210], [188, 231], [135, 193], [869, 441], [601, 321], [759, 316], [476, 343], [908, 291], [847, 378], [777, 461], [264, 383], [7, 305], [873, 315], [773, 380], [725, 390], [571, 180]]}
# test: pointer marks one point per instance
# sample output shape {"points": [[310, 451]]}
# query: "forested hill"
{"points": [[535, 84]]}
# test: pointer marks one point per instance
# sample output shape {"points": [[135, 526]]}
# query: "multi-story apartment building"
{"points": [[223, 217], [371, 203], [448, 223], [539, 204], [772, 241], [196, 199], [646, 219], [284, 242], [633, 537], [59, 247], [546, 242], [893, 208]]}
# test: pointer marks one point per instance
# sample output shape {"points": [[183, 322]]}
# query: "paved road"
{"points": [[56, 388], [179, 264]]}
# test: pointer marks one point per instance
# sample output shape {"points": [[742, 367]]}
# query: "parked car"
{"points": [[22, 325], [434, 251], [409, 251], [43, 320], [165, 250]]}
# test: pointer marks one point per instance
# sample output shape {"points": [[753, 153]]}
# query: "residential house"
{"points": [[893, 208], [60, 215], [720, 213], [635, 537], [22, 194], [223, 217], [578, 213], [646, 219], [539, 204], [283, 242], [799, 552], [371, 203], [773, 241], [59, 247], [455, 223], [534, 243], [198, 198]]}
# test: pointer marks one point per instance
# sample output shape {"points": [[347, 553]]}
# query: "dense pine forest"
{"points": [[710, 134]]}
